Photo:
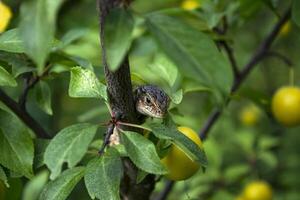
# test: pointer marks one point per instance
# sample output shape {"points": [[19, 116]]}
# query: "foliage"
{"points": [[51, 74]]}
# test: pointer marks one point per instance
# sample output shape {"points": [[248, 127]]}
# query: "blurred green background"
{"points": [[245, 144]]}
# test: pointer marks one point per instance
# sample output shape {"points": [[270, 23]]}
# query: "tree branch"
{"points": [[23, 115], [213, 117], [226, 47], [30, 81], [231, 57], [258, 55], [168, 188], [120, 94]]}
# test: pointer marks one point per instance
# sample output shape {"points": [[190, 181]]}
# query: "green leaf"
{"points": [[222, 194], [60, 188], [234, 173], [141, 175], [183, 142], [34, 187], [84, 83], [81, 62], [6, 79], [40, 146], [69, 145], [37, 28], [22, 70], [69, 61], [296, 12], [10, 41], [246, 140], [163, 67], [194, 52], [268, 142], [215, 154], [3, 177], [177, 96], [16, 146], [103, 176], [43, 97], [191, 18], [118, 29], [268, 158], [142, 152], [15, 190], [94, 113], [18, 62], [70, 37], [192, 86]]}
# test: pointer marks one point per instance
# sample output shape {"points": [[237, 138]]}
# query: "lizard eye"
{"points": [[147, 99]]}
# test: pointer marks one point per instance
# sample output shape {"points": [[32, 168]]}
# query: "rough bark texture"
{"points": [[121, 101]]}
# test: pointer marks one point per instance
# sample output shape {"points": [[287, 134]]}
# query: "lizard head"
{"points": [[151, 101]]}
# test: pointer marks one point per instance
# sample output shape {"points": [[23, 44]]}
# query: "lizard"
{"points": [[151, 101]]}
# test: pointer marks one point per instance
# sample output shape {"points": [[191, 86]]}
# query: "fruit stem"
{"points": [[292, 76]]}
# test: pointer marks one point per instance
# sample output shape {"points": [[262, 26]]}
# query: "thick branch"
{"points": [[120, 94], [255, 59], [23, 115]]}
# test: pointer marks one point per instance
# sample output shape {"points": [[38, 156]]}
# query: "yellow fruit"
{"points": [[180, 166], [5, 15], [258, 190], [190, 4], [285, 29], [250, 115], [286, 105]]}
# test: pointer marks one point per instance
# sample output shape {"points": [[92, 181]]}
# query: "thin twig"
{"points": [[109, 132], [231, 57], [30, 81], [164, 194], [257, 56], [213, 117], [283, 58], [226, 47], [23, 115]]}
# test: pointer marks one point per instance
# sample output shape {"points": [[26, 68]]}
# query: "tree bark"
{"points": [[121, 99]]}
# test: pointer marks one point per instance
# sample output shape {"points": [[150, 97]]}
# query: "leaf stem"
{"points": [[134, 125]]}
